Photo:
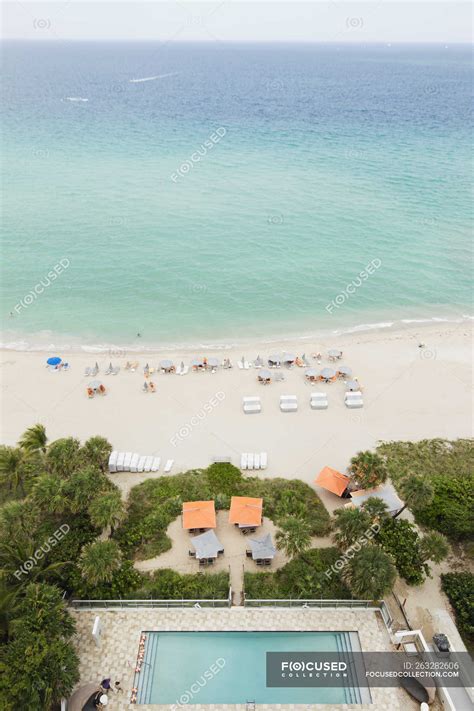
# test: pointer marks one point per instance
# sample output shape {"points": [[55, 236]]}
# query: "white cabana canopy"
{"points": [[386, 492]]}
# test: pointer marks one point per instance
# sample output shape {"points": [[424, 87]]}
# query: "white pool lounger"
{"points": [[288, 403], [120, 461], [134, 462], [263, 460], [127, 460], [148, 463], [141, 464], [113, 461], [155, 465], [354, 400], [318, 401], [251, 405], [256, 461], [169, 465], [243, 461]]}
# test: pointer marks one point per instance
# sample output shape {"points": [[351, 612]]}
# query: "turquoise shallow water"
{"points": [[330, 158], [230, 668]]}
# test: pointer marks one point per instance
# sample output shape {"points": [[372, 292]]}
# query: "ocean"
{"points": [[211, 193]]}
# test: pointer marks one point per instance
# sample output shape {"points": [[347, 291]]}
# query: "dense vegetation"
{"points": [[459, 587], [155, 503], [448, 468], [308, 575]]}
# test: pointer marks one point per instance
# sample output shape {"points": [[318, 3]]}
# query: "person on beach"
{"points": [[117, 688], [105, 685]]}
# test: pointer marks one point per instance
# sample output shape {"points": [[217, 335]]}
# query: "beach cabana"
{"points": [[334, 353], [198, 515], [311, 374], [352, 385], [344, 371], [289, 359], [328, 374], [262, 549], [385, 492], [207, 545], [274, 360], [245, 512], [333, 481], [264, 376], [166, 365]]}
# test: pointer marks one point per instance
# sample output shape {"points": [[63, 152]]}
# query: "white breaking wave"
{"points": [[74, 98], [158, 76]]}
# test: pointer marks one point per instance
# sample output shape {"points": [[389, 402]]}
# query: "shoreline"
{"points": [[337, 337]]}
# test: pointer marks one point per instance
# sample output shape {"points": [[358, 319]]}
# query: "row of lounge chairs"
{"points": [[133, 462], [289, 403], [250, 460]]}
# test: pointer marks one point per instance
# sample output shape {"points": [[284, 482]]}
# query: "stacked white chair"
{"points": [[288, 403], [251, 405], [354, 399], [318, 401], [253, 460]]}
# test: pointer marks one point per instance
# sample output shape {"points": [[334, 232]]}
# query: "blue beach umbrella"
{"points": [[55, 360]]}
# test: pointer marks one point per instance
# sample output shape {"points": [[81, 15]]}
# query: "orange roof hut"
{"points": [[199, 514], [245, 511], [332, 480]]}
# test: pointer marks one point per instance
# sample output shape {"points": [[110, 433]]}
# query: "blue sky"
{"points": [[229, 20]]}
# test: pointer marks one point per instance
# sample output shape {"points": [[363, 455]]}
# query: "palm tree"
{"points": [[107, 510], [48, 494], [97, 451], [99, 561], [368, 469], [12, 470], [375, 508], [370, 574], [34, 439], [294, 536], [434, 546], [350, 524], [62, 457], [416, 491]]}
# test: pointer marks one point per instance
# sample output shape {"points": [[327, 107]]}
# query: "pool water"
{"points": [[183, 668]]}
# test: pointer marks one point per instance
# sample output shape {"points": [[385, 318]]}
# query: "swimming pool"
{"points": [[181, 668]]}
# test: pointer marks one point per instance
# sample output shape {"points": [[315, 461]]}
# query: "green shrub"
{"points": [[401, 540], [459, 587], [167, 584]]}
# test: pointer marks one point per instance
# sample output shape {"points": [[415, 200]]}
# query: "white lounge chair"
{"points": [[353, 400], [155, 466], [243, 460], [120, 461], [288, 403], [318, 401], [352, 394], [250, 461], [134, 462], [263, 460], [127, 460], [148, 463], [113, 461], [141, 464], [256, 461], [169, 465], [251, 405]]}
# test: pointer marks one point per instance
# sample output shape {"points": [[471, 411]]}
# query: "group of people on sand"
{"points": [[101, 696], [149, 387]]}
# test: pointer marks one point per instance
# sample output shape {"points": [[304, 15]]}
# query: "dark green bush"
{"points": [[459, 587]]}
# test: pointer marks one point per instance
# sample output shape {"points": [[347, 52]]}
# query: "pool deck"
{"points": [[121, 629]]}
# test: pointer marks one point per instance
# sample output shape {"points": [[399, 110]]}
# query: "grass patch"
{"points": [[167, 584]]}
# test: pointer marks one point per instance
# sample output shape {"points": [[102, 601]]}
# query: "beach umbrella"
{"points": [[197, 362], [258, 362], [334, 353], [166, 364], [55, 360], [344, 370], [274, 359], [311, 373], [352, 385], [213, 362], [328, 373], [289, 358], [264, 374], [95, 384]]}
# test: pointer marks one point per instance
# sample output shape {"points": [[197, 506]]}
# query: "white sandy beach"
{"points": [[409, 393]]}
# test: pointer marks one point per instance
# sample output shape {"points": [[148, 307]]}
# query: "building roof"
{"points": [[386, 492], [199, 514], [262, 548], [207, 545], [332, 480], [245, 511]]}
